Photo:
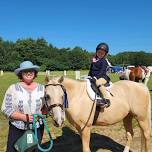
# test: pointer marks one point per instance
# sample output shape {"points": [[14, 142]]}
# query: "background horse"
{"points": [[149, 68], [129, 100], [137, 74]]}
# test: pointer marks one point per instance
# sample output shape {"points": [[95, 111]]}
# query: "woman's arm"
{"points": [[8, 107]]}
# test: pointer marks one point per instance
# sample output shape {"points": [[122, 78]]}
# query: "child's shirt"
{"points": [[98, 68]]}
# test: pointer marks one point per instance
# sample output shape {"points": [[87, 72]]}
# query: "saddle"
{"points": [[96, 95]]}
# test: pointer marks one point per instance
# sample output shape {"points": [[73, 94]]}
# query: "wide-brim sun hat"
{"points": [[26, 65]]}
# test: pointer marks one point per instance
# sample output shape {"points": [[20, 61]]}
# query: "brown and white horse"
{"points": [[137, 74], [130, 100]]}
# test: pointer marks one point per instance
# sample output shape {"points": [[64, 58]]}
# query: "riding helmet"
{"points": [[103, 46]]}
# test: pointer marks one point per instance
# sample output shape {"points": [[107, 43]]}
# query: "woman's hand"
{"points": [[30, 118], [27, 118], [21, 117]]}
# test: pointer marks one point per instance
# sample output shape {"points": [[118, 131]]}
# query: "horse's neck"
{"points": [[73, 87]]}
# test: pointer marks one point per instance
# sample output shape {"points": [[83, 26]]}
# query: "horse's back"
{"points": [[137, 94], [128, 97], [130, 87]]}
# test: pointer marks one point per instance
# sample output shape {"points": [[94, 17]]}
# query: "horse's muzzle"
{"points": [[58, 123]]}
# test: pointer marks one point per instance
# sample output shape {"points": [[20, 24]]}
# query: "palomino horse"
{"points": [[129, 100], [137, 74]]}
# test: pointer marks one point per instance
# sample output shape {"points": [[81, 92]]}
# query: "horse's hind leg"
{"points": [[129, 131], [145, 130]]}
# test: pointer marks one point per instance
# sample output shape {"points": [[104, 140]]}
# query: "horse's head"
{"points": [[54, 99]]}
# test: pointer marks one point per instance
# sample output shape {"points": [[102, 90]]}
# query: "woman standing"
{"points": [[21, 101]]}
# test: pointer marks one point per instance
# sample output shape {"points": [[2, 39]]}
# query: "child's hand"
{"points": [[94, 59]]}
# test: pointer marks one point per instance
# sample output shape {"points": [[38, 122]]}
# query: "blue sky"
{"points": [[126, 25]]}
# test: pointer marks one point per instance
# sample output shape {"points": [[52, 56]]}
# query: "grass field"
{"points": [[10, 78]]}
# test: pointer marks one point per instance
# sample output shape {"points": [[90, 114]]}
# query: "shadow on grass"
{"points": [[71, 142]]}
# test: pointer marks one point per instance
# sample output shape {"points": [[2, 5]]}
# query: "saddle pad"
{"points": [[92, 95]]}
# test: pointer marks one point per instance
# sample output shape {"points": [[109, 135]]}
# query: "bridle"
{"points": [[62, 106]]}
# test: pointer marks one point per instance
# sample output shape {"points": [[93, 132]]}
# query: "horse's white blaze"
{"points": [[58, 115]]}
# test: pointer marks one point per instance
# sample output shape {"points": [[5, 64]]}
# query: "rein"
{"points": [[88, 117]]}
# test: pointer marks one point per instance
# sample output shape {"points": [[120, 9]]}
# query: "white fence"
{"points": [[76, 74]]}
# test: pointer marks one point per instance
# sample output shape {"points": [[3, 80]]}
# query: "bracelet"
{"points": [[27, 117]]}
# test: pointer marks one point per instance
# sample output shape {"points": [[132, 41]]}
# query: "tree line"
{"points": [[49, 57]]}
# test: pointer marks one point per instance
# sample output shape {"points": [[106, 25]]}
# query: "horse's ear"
{"points": [[46, 78], [61, 79]]}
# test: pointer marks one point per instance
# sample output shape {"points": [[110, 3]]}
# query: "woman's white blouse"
{"points": [[18, 99]]}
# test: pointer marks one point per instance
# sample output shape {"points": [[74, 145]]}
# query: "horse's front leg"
{"points": [[85, 137]]}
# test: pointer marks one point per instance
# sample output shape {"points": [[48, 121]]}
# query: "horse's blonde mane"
{"points": [[70, 79], [70, 83], [66, 79]]}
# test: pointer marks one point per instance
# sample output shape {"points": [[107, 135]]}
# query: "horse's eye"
{"points": [[47, 97]]}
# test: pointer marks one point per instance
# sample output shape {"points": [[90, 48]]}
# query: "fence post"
{"points": [[77, 75], [2, 72], [64, 73], [48, 72]]}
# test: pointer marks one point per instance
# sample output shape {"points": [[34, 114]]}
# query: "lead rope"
{"points": [[47, 129], [89, 114]]}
